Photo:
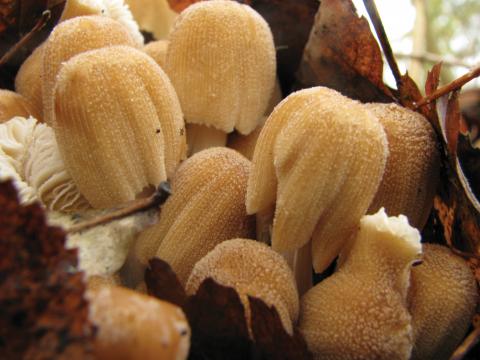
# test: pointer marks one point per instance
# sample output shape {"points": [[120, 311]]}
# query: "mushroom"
{"points": [[327, 154], [28, 81], [442, 300], [221, 60], [207, 206], [158, 51], [252, 269], [114, 9], [13, 104], [135, 326], [119, 125], [360, 311], [412, 171], [245, 144], [73, 37], [154, 16]]}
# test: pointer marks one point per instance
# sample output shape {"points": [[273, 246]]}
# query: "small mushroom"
{"points": [[13, 104], [119, 125], [442, 299], [360, 312], [73, 37], [135, 326], [158, 51], [207, 206], [114, 9], [252, 269], [412, 171], [327, 154], [28, 81], [221, 60]]}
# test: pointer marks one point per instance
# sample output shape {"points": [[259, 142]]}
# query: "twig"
{"points": [[38, 26], [465, 255], [382, 37], [467, 345], [155, 200], [454, 85], [433, 58]]}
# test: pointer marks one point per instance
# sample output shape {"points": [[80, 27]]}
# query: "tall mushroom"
{"points": [[221, 60]]}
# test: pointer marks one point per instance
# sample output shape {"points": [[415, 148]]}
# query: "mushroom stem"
{"points": [[264, 221], [300, 261], [200, 137]]}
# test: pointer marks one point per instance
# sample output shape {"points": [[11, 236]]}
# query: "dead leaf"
{"points": [[163, 283], [342, 54], [43, 311]]}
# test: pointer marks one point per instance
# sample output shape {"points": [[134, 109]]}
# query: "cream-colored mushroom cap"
{"points": [[221, 60], [252, 269], [207, 206], [135, 326], [119, 125], [73, 37], [412, 171], [13, 104], [158, 51], [360, 312], [320, 158], [442, 300], [28, 81]]}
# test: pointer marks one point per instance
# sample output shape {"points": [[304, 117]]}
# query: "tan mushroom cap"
{"points": [[252, 269], [13, 104], [73, 37], [154, 16], [207, 206], [221, 60], [119, 125], [136, 326], [320, 157], [442, 300], [412, 171], [28, 81], [157, 50], [360, 311]]}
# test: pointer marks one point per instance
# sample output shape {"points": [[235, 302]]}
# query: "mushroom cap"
{"points": [[13, 104], [207, 206], [442, 300], [154, 16], [360, 311], [221, 60], [72, 37], [136, 326], [158, 51], [412, 171], [119, 125], [252, 269]]}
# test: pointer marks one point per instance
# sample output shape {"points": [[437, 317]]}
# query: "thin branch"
{"points": [[464, 254], [433, 58], [454, 85], [15, 48], [382, 37], [154, 201], [467, 345]]}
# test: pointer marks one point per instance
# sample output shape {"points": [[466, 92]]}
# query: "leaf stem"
{"points": [[38, 26], [154, 201], [382, 37], [467, 345], [454, 85]]}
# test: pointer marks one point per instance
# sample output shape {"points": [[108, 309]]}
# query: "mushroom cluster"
{"points": [[265, 191]]}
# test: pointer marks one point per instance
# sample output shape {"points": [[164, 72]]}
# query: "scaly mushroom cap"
{"points": [[360, 311], [45, 171], [207, 206], [221, 60], [155, 16], [114, 9], [412, 171], [443, 296], [136, 326], [119, 125], [327, 154], [158, 51], [252, 269], [28, 81], [73, 37], [12, 105]]}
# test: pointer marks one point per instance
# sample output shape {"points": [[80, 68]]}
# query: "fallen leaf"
{"points": [[43, 311], [342, 54]]}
